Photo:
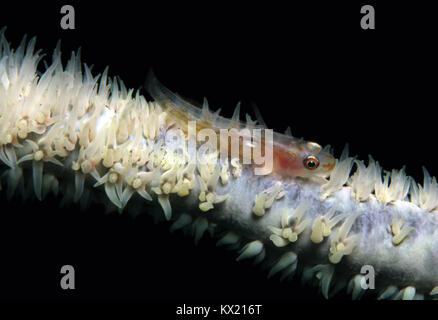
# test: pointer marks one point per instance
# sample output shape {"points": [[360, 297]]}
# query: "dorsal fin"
{"points": [[288, 132], [182, 111], [258, 115]]}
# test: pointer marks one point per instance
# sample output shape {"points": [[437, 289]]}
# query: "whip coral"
{"points": [[71, 133]]}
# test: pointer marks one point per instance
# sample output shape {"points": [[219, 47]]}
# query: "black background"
{"points": [[307, 65]]}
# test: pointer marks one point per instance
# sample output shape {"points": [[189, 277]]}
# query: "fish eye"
{"points": [[311, 162]]}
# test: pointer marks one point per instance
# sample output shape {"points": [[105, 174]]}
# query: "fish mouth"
{"points": [[330, 163]]}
